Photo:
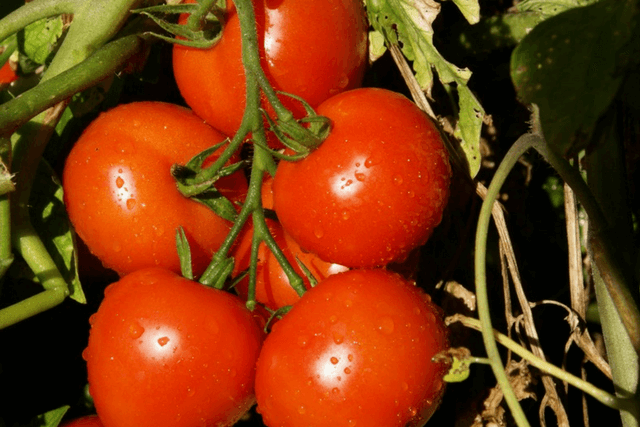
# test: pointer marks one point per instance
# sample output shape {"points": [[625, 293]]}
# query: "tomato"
{"points": [[356, 350], [272, 285], [87, 421], [313, 49], [7, 75], [121, 197], [166, 351], [376, 187]]}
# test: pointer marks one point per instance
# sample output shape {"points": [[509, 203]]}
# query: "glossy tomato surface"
{"points": [[121, 197], [166, 351], [355, 350], [273, 288], [313, 49], [376, 187], [87, 421]]}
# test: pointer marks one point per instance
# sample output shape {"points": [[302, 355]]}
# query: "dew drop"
{"points": [[347, 371], [337, 338], [411, 194], [404, 386], [163, 341], [302, 410], [397, 180], [386, 325], [348, 303], [334, 360], [92, 319], [190, 392], [131, 203], [117, 247], [335, 390], [302, 341], [318, 232], [333, 318], [85, 354], [345, 215], [119, 182], [350, 358], [136, 330], [359, 176]]}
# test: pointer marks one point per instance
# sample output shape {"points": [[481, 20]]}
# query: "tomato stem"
{"points": [[630, 404], [33, 11]]}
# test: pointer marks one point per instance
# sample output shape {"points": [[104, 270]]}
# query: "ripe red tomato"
{"points": [[121, 197], [376, 187], [166, 351], [7, 75], [355, 350], [88, 421], [313, 49], [272, 285]]}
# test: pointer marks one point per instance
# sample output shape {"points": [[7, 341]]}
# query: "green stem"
{"points": [[35, 11], [511, 158], [102, 64], [631, 405], [31, 306]]}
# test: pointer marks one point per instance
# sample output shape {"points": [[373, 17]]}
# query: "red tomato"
{"points": [[355, 350], [312, 48], [376, 187], [7, 75], [272, 285], [121, 197], [88, 421], [168, 352]]}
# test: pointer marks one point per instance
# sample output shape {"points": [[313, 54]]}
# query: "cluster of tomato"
{"points": [[357, 348]]}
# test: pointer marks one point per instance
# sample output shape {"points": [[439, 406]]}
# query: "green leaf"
{"points": [[549, 8], [184, 253], [459, 370], [409, 23], [50, 219], [470, 10], [49, 419], [498, 31], [219, 204], [569, 66], [40, 38]]}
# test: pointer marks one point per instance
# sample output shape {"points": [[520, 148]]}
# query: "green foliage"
{"points": [[459, 371], [570, 66], [409, 24], [39, 40], [49, 218]]}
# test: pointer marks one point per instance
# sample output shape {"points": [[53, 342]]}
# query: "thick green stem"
{"points": [[35, 11], [102, 64], [517, 150], [31, 306]]}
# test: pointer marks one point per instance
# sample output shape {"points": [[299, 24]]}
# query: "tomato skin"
{"points": [[272, 285], [121, 197], [376, 187], [355, 350], [7, 75], [166, 351], [313, 49], [87, 421]]}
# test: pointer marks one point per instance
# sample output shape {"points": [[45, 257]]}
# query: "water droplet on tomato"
{"points": [[333, 318], [351, 423], [348, 303], [92, 319], [318, 232], [117, 247], [190, 392], [302, 410], [345, 215], [233, 372], [85, 354], [397, 180], [413, 412], [347, 371], [404, 386], [335, 390], [334, 360], [163, 341], [360, 176], [131, 203], [350, 357], [411, 194], [119, 182], [303, 341], [344, 81], [337, 338], [386, 325], [135, 330]]}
